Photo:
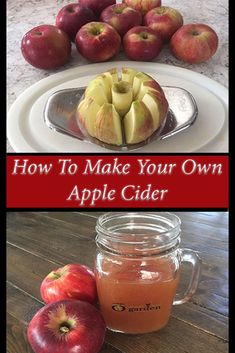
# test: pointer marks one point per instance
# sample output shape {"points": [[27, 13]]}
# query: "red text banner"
{"points": [[120, 181]]}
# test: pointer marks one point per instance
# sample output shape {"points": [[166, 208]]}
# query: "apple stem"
{"points": [[55, 275], [38, 33], [144, 35], [118, 10]]}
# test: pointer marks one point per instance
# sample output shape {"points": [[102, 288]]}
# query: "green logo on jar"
{"points": [[118, 307]]}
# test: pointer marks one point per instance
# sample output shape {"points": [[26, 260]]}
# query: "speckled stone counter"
{"points": [[22, 15]]}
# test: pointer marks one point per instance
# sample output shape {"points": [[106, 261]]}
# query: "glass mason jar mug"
{"points": [[138, 267]]}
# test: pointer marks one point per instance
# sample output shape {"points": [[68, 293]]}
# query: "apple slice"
{"points": [[96, 90], [138, 123], [122, 96], [155, 105], [113, 75], [128, 74], [108, 125], [139, 78], [86, 114], [104, 83], [150, 85]]}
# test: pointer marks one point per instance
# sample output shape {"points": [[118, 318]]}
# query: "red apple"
{"points": [[142, 43], [46, 47], [97, 5], [194, 43], [143, 5], [121, 17], [67, 326], [97, 41], [72, 17], [71, 281], [165, 20]]}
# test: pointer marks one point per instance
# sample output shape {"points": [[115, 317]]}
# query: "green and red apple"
{"points": [[164, 20], [194, 43], [142, 43], [123, 110], [46, 47], [122, 17], [96, 5], [97, 41], [72, 17], [67, 326], [143, 5]]}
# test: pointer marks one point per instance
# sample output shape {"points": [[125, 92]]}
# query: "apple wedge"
{"points": [[122, 96], [138, 123], [157, 106], [128, 74], [139, 78], [86, 114], [147, 86], [96, 91], [104, 82], [108, 125], [113, 75]]}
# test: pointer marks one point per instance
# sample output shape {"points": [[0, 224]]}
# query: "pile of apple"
{"points": [[99, 27], [69, 322]]}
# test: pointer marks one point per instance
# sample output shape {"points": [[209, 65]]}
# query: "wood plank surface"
{"points": [[38, 242]]}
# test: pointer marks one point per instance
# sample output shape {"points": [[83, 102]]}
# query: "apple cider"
{"points": [[138, 297], [138, 266]]}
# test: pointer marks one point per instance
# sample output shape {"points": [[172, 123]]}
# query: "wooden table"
{"points": [[39, 242]]}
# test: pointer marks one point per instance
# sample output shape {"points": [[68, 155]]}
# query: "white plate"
{"points": [[27, 131]]}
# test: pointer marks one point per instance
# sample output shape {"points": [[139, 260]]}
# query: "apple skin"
{"points": [[121, 17], [67, 326], [194, 43], [98, 41], [142, 43], [108, 125], [72, 17], [165, 20], [46, 47], [97, 5], [71, 281], [143, 5]]}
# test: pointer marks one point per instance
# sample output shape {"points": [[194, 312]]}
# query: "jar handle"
{"points": [[193, 258]]}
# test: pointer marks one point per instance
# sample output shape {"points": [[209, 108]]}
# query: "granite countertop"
{"points": [[22, 15]]}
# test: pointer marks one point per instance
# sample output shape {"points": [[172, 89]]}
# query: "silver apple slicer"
{"points": [[60, 116]]}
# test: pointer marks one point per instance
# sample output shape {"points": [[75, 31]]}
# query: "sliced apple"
{"points": [[108, 125], [154, 105], [86, 114], [104, 83], [97, 91], [150, 85], [122, 96], [113, 75], [138, 123], [139, 78], [128, 74], [136, 98]]}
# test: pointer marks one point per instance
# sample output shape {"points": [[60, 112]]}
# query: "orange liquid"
{"points": [[138, 298]]}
